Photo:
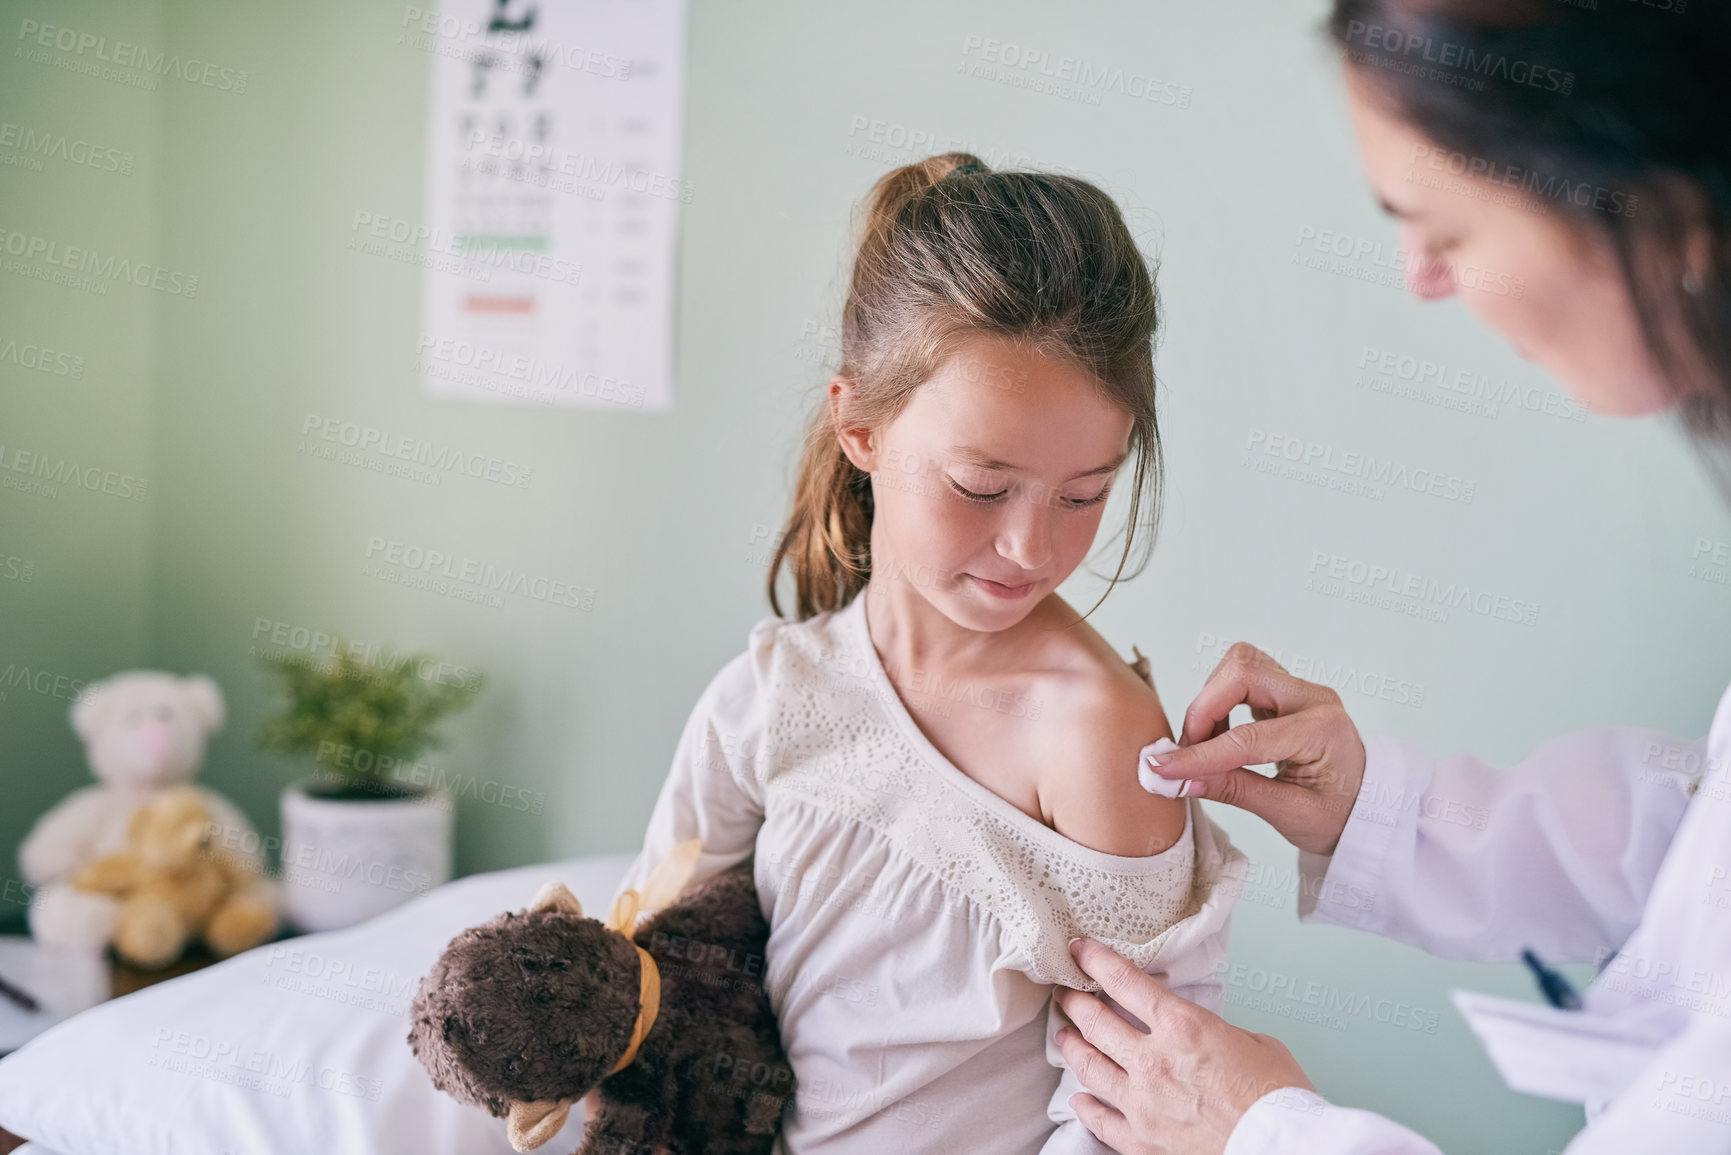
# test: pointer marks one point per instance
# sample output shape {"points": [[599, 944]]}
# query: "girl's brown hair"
{"points": [[950, 248]]}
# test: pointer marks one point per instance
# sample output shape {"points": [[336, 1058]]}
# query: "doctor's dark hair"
{"points": [[1627, 99], [949, 248]]}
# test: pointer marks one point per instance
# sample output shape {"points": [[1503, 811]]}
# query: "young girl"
{"points": [[935, 764]]}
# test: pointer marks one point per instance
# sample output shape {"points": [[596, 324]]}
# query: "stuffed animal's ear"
{"points": [[205, 698], [1141, 666], [555, 895], [90, 710], [531, 1124]]}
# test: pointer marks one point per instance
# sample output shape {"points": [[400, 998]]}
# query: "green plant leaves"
{"points": [[348, 707]]}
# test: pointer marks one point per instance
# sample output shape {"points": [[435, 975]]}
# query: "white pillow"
{"points": [[295, 1046]]}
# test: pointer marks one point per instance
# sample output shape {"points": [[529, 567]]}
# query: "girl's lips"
{"points": [[1000, 590]]}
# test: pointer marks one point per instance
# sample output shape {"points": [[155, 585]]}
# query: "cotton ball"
{"points": [[1153, 782]]}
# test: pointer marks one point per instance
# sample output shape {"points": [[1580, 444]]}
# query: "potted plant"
{"points": [[370, 829]]}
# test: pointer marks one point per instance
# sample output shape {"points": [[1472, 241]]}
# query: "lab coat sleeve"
{"points": [[713, 791], [1468, 861], [1293, 1121], [1681, 1102]]}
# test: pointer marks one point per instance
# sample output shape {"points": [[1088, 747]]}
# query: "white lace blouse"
{"points": [[917, 920]]}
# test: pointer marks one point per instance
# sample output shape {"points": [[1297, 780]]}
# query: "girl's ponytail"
{"points": [[827, 539], [892, 192]]}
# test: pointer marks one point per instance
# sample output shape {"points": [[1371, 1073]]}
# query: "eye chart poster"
{"points": [[553, 204]]}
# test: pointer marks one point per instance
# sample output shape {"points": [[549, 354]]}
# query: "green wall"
{"points": [[1239, 162], [81, 164]]}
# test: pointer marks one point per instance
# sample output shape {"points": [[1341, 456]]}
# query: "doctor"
{"points": [[1581, 151]]}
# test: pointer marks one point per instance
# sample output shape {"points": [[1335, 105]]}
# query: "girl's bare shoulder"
{"points": [[1097, 716]]}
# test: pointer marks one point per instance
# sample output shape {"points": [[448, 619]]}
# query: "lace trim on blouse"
{"points": [[839, 739]]}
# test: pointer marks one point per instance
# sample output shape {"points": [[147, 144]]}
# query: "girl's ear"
{"points": [[855, 440]]}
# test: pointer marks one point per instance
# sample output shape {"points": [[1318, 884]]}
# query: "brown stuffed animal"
{"points": [[172, 887], [523, 1015]]}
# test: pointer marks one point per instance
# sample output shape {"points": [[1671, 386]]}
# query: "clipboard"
{"points": [[1572, 1056]]}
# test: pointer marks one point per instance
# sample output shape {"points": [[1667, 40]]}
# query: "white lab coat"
{"points": [[1606, 840]]}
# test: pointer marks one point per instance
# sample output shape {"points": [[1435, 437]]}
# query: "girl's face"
{"points": [[1552, 289], [989, 486]]}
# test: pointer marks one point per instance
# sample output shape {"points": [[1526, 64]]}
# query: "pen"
{"points": [[22, 998], [1558, 991]]}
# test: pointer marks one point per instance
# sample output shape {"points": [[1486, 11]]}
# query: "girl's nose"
{"points": [[1026, 536], [1428, 277]]}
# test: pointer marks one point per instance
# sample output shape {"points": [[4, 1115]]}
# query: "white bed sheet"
{"points": [[315, 1055]]}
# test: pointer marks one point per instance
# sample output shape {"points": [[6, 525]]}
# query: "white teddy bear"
{"points": [[143, 731]]}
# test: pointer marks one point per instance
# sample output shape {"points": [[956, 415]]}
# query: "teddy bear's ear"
{"points": [[556, 895], [90, 710], [205, 698]]}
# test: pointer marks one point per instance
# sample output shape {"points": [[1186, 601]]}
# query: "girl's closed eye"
{"points": [[1067, 501], [972, 495], [983, 487], [1080, 501], [978, 485]]}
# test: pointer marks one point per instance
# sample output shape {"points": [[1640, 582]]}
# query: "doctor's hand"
{"points": [[1179, 1090], [1299, 726]]}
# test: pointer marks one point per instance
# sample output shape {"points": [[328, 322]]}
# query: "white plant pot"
{"points": [[346, 860]]}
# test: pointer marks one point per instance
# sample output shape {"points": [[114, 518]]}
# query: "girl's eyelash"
{"points": [[1073, 503], [972, 496]]}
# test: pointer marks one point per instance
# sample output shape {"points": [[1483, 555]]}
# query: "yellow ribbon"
{"points": [[532, 1124], [662, 888], [648, 1006]]}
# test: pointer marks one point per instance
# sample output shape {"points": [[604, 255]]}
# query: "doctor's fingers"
{"points": [[1321, 761], [1297, 739], [1109, 1125], [1104, 1030], [1127, 986], [1174, 1017], [1246, 676], [1159, 1112], [1284, 805], [1094, 1069]]}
